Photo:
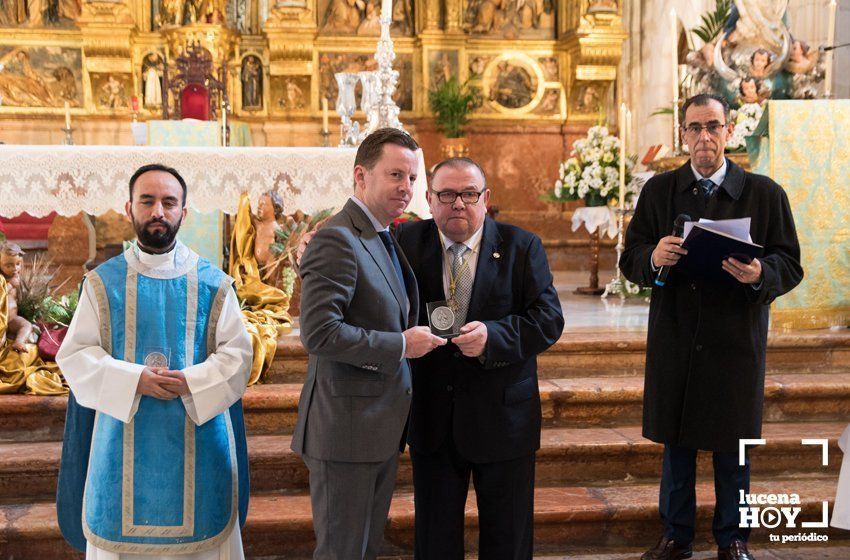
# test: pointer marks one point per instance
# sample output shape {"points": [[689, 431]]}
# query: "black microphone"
{"points": [[678, 231]]}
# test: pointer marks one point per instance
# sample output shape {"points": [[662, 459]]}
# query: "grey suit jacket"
{"points": [[355, 401]]}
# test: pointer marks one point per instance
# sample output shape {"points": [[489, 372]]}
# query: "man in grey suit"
{"points": [[359, 309]]}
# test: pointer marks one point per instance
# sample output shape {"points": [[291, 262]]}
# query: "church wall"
{"points": [[545, 71]]}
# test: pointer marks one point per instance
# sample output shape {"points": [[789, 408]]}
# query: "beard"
{"points": [[157, 239]]}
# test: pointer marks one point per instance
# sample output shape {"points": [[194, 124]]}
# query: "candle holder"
{"points": [[617, 286], [377, 94], [69, 136], [326, 138], [677, 139]]}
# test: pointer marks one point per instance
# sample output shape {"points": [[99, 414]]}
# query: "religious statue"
{"points": [[266, 224], [344, 16], [193, 11], [112, 93], [293, 96], [169, 13], [152, 73], [751, 91], [754, 42], [20, 365], [511, 18], [512, 87], [371, 24], [550, 101], [252, 83], [11, 261], [806, 70], [402, 16], [65, 84], [213, 12], [588, 100], [441, 70], [13, 12], [264, 307]]}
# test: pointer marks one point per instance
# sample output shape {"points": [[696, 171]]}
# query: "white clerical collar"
{"points": [[717, 178], [151, 260], [471, 243], [172, 264], [378, 225]]}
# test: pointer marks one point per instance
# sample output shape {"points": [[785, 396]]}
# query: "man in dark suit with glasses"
{"points": [[476, 402], [707, 338]]}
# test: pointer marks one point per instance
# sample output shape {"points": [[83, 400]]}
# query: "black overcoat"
{"points": [[706, 341]]}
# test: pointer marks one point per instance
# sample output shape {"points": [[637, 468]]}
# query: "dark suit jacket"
{"points": [[356, 398], [492, 408]]}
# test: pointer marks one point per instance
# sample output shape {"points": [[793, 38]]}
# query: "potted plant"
{"points": [[592, 172], [452, 102]]}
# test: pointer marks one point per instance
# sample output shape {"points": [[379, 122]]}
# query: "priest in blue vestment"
{"points": [[154, 462]]}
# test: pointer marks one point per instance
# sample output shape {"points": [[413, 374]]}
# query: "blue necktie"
{"points": [[390, 247], [708, 187]]}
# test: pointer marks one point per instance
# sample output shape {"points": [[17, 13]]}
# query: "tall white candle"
{"points": [[623, 132], [830, 41], [674, 35], [67, 115], [324, 114], [386, 9]]}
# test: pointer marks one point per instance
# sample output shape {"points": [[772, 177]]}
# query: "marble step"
{"points": [[565, 518], [578, 354], [577, 402], [568, 456]]}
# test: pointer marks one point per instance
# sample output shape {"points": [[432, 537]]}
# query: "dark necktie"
{"points": [[708, 187], [390, 247]]}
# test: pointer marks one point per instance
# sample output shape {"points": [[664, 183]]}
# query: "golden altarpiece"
{"points": [[549, 61]]}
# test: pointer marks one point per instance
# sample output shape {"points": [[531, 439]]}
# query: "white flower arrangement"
{"points": [[746, 119], [593, 170]]}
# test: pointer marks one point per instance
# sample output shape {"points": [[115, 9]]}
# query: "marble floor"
{"points": [[592, 313]]}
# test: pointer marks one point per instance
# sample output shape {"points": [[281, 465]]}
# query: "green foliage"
{"points": [[662, 111], [713, 22], [38, 298], [452, 102]]}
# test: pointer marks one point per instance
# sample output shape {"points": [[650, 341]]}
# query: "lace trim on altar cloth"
{"points": [[94, 179]]}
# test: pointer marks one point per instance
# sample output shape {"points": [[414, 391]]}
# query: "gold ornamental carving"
{"points": [[592, 37], [218, 40]]}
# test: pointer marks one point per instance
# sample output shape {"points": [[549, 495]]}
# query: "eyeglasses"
{"points": [[712, 128], [449, 197]]}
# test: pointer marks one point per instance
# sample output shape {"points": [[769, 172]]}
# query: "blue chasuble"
{"points": [[158, 484]]}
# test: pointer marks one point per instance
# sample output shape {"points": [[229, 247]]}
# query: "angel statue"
{"points": [[750, 39]]}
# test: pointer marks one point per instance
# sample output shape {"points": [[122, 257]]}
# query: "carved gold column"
{"points": [[591, 44], [453, 17], [107, 28], [432, 16], [291, 33]]}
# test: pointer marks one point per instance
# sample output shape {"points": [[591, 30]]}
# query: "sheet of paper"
{"points": [[738, 227]]}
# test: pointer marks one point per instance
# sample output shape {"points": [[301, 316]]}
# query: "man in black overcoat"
{"points": [[476, 401], [707, 339]]}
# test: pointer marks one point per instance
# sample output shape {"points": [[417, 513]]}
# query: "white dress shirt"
{"points": [[470, 257], [379, 227]]}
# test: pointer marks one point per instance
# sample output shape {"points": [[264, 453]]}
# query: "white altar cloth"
{"points": [[93, 179]]}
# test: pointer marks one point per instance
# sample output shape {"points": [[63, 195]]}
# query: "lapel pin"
{"points": [[496, 255]]}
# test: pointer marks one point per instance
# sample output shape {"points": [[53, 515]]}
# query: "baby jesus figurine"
{"points": [[11, 261], [265, 221]]}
